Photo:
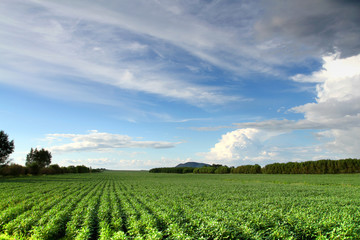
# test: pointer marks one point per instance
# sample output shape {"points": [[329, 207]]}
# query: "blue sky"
{"points": [[142, 84]]}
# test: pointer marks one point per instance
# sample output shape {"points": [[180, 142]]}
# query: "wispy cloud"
{"points": [[129, 44], [98, 141], [59, 47], [142, 56], [120, 163]]}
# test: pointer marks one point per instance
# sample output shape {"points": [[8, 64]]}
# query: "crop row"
{"points": [[118, 205]]}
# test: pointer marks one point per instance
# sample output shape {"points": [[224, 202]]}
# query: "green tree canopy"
{"points": [[6, 148], [40, 157]]}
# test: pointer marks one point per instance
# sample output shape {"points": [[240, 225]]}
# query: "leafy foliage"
{"points": [[6, 147], [12, 170], [173, 170], [314, 167], [247, 169], [41, 157]]}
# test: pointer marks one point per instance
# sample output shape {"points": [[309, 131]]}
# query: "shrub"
{"points": [[13, 170], [33, 168]]}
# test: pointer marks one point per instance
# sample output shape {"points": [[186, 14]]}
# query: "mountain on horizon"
{"points": [[192, 164]]}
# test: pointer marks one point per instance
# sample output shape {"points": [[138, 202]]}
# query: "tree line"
{"points": [[172, 170], [215, 168], [38, 161], [349, 165]]}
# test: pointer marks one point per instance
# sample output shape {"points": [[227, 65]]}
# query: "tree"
{"points": [[6, 148], [222, 170], [40, 157], [82, 169]]}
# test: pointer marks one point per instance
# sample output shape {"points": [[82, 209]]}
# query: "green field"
{"points": [[141, 205]]}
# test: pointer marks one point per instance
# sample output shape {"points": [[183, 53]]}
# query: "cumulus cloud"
{"points": [[232, 143], [337, 104], [239, 146], [338, 101], [338, 98], [100, 141], [335, 115]]}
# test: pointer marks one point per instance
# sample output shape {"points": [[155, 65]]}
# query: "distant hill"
{"points": [[192, 164]]}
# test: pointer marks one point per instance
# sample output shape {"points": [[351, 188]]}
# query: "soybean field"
{"points": [[142, 205]]}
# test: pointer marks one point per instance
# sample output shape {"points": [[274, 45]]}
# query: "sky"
{"points": [[138, 84]]}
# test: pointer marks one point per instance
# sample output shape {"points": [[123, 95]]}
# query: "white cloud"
{"points": [[54, 43], [74, 50], [241, 145], [135, 46], [93, 162], [337, 105], [344, 142], [336, 73], [338, 94], [105, 44], [98, 141], [335, 113], [121, 162]]}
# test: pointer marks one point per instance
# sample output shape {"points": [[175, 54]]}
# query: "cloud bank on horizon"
{"points": [[194, 65]]}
